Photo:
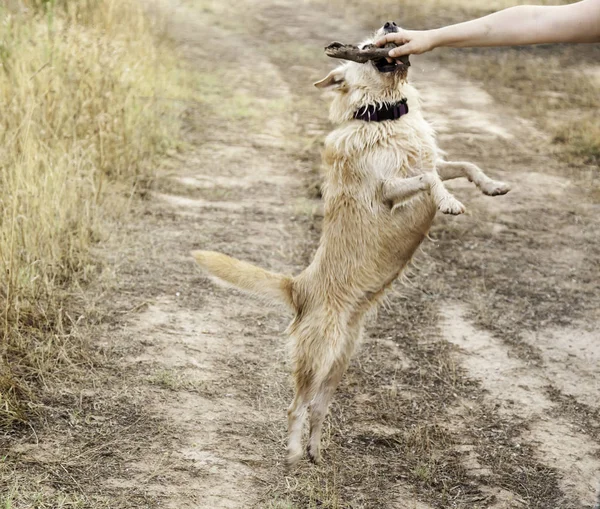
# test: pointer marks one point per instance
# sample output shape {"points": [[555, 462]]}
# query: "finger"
{"points": [[400, 51], [382, 41]]}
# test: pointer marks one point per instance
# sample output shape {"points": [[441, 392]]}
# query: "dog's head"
{"points": [[360, 85]]}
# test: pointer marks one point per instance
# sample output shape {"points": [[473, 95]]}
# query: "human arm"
{"points": [[522, 25]]}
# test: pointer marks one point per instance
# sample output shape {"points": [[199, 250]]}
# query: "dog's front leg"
{"points": [[399, 190], [451, 170]]}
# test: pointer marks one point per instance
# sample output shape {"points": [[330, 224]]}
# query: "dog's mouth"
{"points": [[400, 64]]}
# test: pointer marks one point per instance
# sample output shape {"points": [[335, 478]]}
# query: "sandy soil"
{"points": [[478, 384]]}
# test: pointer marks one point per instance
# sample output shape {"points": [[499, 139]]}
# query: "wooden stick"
{"points": [[354, 53]]}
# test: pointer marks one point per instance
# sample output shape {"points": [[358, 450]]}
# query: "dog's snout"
{"points": [[389, 27]]}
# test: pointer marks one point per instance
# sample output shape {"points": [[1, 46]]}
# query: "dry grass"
{"points": [[561, 97], [77, 81]]}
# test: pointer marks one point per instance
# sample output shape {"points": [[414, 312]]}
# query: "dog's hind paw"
{"points": [[451, 206], [495, 188], [293, 457], [314, 455]]}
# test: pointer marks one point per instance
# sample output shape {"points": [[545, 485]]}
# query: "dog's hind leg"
{"points": [[318, 410], [306, 384], [296, 416], [398, 190], [327, 386], [451, 170]]}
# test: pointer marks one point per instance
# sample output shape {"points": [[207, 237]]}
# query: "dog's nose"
{"points": [[389, 27]]}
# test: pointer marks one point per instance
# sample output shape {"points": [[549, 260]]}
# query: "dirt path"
{"points": [[477, 387]]}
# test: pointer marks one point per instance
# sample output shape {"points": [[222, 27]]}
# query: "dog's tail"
{"points": [[245, 276]]}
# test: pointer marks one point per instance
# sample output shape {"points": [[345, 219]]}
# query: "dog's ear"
{"points": [[334, 80]]}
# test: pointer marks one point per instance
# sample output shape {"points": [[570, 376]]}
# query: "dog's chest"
{"points": [[366, 170], [398, 159], [358, 155]]}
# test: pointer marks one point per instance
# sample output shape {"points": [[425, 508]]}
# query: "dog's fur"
{"points": [[376, 216]]}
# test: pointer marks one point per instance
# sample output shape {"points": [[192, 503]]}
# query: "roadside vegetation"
{"points": [[562, 96], [81, 83]]}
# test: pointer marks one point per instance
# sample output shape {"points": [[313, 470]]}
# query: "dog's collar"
{"points": [[385, 111]]}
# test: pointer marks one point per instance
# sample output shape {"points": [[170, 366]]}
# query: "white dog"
{"points": [[378, 161]]}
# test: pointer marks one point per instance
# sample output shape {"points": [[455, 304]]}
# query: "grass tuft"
{"points": [[79, 88]]}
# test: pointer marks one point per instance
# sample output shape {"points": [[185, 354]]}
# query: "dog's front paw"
{"points": [[495, 188], [451, 206]]}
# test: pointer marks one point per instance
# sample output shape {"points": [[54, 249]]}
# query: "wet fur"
{"points": [[381, 192]]}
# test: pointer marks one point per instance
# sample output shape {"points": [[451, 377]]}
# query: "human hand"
{"points": [[410, 42]]}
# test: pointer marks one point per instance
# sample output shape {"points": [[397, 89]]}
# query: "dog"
{"points": [[382, 187]]}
